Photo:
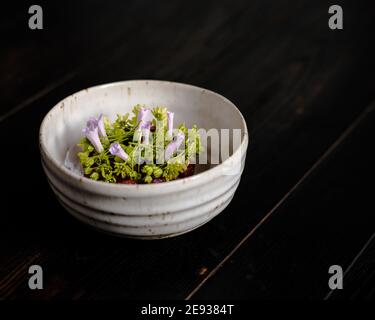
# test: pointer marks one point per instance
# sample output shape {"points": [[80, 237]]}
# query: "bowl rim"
{"points": [[214, 171]]}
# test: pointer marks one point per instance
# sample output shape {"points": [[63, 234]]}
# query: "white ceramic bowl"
{"points": [[142, 211]]}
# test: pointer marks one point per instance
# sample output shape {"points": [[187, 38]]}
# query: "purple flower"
{"points": [[142, 123], [145, 127], [174, 145], [142, 114], [116, 150], [101, 126], [97, 122], [91, 133], [170, 116]]}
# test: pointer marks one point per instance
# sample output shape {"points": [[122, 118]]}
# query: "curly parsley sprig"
{"points": [[133, 147]]}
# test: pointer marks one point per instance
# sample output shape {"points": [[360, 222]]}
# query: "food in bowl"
{"points": [[147, 210], [140, 148]]}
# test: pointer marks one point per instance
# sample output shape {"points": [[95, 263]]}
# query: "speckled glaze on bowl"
{"points": [[141, 211]]}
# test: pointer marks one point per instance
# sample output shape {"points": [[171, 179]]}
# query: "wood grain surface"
{"points": [[307, 95]]}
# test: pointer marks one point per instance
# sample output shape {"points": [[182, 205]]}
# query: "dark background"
{"points": [[305, 201]]}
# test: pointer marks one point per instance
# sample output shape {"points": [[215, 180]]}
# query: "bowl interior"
{"points": [[62, 127]]}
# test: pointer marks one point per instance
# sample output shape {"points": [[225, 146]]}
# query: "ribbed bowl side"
{"points": [[155, 217]]}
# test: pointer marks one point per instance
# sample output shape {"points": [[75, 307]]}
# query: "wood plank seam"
{"points": [[351, 265], [315, 166], [80, 70], [17, 276], [38, 95]]}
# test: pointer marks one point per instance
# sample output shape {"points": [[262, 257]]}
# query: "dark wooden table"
{"points": [[305, 201]]}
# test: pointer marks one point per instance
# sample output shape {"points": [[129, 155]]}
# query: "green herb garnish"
{"points": [[137, 148]]}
